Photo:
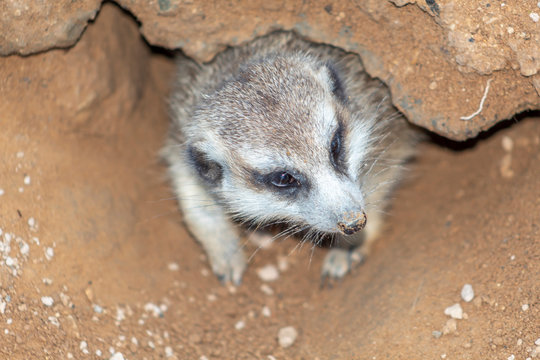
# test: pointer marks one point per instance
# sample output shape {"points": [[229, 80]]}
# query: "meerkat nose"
{"points": [[354, 221]]}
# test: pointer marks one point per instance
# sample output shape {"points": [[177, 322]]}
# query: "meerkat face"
{"points": [[277, 143]]}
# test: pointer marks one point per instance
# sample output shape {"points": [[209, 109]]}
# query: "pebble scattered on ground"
{"points": [[455, 311], [268, 273], [467, 293], [287, 336]]}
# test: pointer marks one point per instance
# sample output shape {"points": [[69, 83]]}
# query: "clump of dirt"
{"points": [[95, 262]]}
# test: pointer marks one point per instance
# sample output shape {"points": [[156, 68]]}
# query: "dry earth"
{"points": [[95, 263]]}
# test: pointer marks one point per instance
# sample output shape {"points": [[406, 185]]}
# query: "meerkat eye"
{"points": [[209, 170], [282, 179]]}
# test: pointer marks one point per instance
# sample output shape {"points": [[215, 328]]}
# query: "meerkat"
{"points": [[289, 131]]}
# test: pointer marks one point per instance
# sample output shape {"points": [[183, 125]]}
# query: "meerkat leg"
{"points": [[211, 227], [350, 251]]}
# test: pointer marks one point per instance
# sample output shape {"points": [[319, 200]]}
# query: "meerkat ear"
{"points": [[335, 82], [209, 170]]}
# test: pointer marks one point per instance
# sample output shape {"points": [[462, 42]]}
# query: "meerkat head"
{"points": [[276, 142]]}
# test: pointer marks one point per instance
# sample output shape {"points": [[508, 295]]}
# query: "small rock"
{"points": [[117, 356], [467, 293], [266, 311], [49, 253], [287, 336], [455, 311], [283, 263], [537, 342], [511, 357], [507, 143], [267, 289], [525, 307], [450, 326], [436, 334], [240, 325], [47, 300], [268, 273], [505, 167], [173, 266]]}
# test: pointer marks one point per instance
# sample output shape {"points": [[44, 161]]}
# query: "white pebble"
{"points": [[20, 154], [267, 289], [534, 16], [26, 180], [10, 261], [525, 307], [455, 311], [83, 345], [31, 222], [268, 273], [240, 325], [2, 192], [537, 342], [25, 249], [54, 320], [266, 311], [283, 263], [21, 189], [507, 143], [49, 253], [9, 321], [117, 356], [511, 357], [173, 266], [169, 351], [47, 300], [467, 293], [154, 309], [287, 336], [98, 353]]}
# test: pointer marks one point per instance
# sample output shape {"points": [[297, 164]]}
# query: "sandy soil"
{"points": [[95, 262]]}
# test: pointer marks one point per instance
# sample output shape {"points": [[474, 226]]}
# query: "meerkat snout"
{"points": [[352, 222]]}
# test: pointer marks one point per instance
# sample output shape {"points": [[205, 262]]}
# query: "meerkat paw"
{"points": [[229, 268], [339, 262]]}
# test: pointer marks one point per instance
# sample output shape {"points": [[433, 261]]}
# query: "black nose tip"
{"points": [[353, 222]]}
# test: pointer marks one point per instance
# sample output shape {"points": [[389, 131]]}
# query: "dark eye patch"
{"points": [[282, 182], [337, 84], [337, 153], [209, 170]]}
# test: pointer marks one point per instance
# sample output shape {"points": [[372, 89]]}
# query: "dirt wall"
{"points": [[443, 60]]}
